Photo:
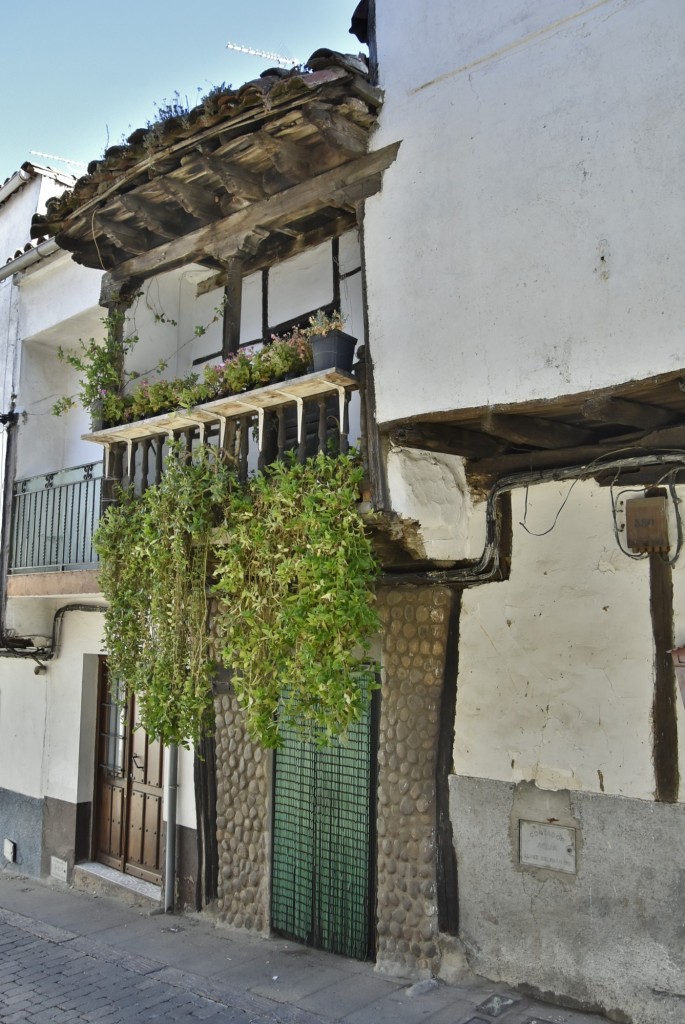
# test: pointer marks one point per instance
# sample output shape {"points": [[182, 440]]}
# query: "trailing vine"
{"points": [[105, 388], [155, 553], [294, 572], [100, 364]]}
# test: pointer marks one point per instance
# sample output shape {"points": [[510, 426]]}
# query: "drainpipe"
{"points": [[170, 799], [14, 183], [27, 259]]}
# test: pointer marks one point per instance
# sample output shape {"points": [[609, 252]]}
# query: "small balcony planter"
{"points": [[333, 351]]}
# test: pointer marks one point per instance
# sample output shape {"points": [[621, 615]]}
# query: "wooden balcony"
{"points": [[307, 414]]}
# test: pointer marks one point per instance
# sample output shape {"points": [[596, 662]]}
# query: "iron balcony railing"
{"points": [[54, 517]]}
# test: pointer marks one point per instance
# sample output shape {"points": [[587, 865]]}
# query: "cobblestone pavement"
{"points": [[50, 976], [69, 955]]}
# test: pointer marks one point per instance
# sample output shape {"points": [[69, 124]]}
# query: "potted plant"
{"points": [[331, 347]]}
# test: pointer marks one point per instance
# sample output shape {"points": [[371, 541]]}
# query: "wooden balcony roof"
{"points": [[259, 173]]}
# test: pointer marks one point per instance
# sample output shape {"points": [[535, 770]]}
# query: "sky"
{"points": [[78, 75]]}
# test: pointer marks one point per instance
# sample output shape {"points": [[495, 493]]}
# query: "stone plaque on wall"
{"points": [[547, 846]]}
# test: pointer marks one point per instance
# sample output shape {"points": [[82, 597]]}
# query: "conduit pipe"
{"points": [[170, 799], [487, 567]]}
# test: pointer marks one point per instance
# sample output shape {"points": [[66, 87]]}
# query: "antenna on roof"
{"points": [[62, 159], [276, 57]]}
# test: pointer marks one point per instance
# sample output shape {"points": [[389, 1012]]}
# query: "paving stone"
{"points": [[51, 975]]}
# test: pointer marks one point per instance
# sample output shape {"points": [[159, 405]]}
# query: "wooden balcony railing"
{"points": [[307, 414], [54, 517]]}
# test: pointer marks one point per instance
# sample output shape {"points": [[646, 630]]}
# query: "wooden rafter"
{"points": [[533, 430], [195, 201], [335, 129], [447, 439], [610, 409], [342, 185]]}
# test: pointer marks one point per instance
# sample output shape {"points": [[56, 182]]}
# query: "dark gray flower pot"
{"points": [[333, 351]]}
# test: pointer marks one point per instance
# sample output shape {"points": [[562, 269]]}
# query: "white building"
{"points": [[510, 235], [523, 269]]}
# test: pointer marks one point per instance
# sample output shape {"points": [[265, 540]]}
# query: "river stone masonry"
{"points": [[415, 626], [243, 784]]}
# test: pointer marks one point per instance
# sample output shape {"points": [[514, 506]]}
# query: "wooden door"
{"points": [[128, 800]]}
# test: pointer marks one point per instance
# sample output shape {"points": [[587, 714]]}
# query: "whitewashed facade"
{"points": [[527, 247]]}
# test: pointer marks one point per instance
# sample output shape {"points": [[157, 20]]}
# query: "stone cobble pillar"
{"points": [[415, 625], [243, 784]]}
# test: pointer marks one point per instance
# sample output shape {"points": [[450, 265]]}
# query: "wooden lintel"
{"points": [[608, 409], [211, 283], [445, 438], [533, 430], [298, 201]]}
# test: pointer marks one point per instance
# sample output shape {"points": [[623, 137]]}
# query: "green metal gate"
{"points": [[322, 849]]}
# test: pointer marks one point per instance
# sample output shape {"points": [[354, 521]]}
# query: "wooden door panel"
{"points": [[151, 832], [129, 789]]}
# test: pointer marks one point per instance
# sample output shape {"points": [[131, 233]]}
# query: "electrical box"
{"points": [[9, 850], [647, 524]]}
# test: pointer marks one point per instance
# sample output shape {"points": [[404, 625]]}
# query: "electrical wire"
{"points": [[487, 567]]}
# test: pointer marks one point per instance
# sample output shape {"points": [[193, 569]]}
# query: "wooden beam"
{"points": [[128, 237], [195, 201], [607, 409], [286, 156], [665, 698], [233, 295], [226, 234], [445, 438], [283, 244], [236, 181], [336, 130], [155, 216], [669, 437], [245, 245], [533, 430]]}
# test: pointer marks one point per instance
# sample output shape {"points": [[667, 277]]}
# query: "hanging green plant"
{"points": [[101, 366], [294, 578], [155, 556]]}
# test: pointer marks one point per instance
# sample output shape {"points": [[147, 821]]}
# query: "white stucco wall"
{"points": [[15, 218], [431, 489], [556, 664], [527, 241], [47, 730], [60, 302]]}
